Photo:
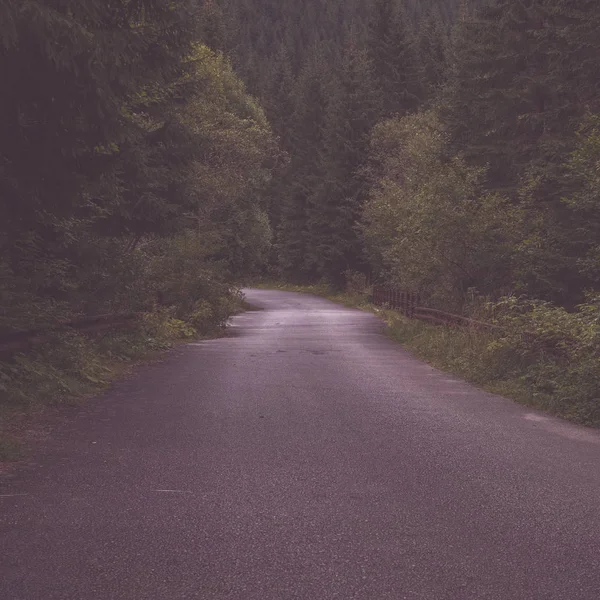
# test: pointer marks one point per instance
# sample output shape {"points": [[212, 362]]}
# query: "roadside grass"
{"points": [[491, 361], [72, 367]]}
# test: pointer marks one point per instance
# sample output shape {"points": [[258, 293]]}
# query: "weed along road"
{"points": [[304, 456]]}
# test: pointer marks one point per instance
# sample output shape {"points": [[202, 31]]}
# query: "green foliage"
{"points": [[307, 141], [133, 173], [217, 164], [326, 72], [432, 43], [584, 202], [523, 77], [555, 352], [236, 152], [76, 122], [197, 291], [429, 225], [59, 371], [393, 50], [335, 204]]}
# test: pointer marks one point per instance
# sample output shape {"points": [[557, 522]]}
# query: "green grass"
{"points": [[477, 356], [72, 367]]}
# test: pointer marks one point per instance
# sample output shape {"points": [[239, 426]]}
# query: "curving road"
{"points": [[305, 456]]}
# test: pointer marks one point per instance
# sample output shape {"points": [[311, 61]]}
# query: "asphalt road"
{"points": [[305, 456]]}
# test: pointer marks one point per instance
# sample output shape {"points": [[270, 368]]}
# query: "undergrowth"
{"points": [[72, 366], [543, 357]]}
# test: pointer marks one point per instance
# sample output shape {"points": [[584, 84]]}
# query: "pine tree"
{"points": [[335, 205], [310, 98], [483, 104], [521, 81], [84, 166], [432, 48], [392, 50], [278, 95], [212, 30], [95, 75]]}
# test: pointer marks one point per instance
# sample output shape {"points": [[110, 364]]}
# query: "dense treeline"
{"points": [[327, 72], [132, 170], [452, 149], [120, 130], [445, 146]]}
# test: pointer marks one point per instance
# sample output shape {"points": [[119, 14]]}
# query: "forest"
{"points": [[132, 176], [450, 149], [442, 146], [156, 154]]}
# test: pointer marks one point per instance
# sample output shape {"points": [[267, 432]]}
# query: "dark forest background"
{"points": [[448, 147]]}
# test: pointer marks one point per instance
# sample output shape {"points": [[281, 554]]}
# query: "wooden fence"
{"points": [[405, 302], [409, 304]]}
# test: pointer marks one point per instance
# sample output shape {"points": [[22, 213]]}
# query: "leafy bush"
{"points": [[65, 368], [555, 352], [356, 283], [428, 223], [543, 355], [174, 282]]}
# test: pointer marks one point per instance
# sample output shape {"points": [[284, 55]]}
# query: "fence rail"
{"points": [[408, 303], [25, 340]]}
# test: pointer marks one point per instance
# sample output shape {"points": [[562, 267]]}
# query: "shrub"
{"points": [[556, 352]]}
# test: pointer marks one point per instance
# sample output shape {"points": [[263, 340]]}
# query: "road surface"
{"points": [[305, 456]]}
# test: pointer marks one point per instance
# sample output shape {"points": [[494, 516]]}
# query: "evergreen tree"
{"points": [[213, 31], [93, 71], [395, 63], [432, 49], [278, 94], [335, 205], [522, 79], [479, 108], [517, 90], [124, 130], [80, 136], [311, 99]]}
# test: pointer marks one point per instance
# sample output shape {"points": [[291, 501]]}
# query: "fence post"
{"points": [[417, 300]]}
